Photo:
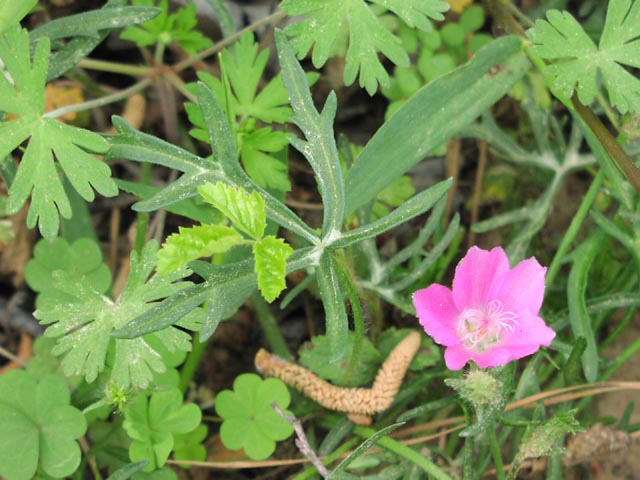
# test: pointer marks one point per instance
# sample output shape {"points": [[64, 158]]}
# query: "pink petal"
{"points": [[456, 357], [437, 313], [531, 332], [495, 357], [521, 288], [475, 274]]}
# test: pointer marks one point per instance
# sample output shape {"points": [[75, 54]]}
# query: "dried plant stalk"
{"points": [[359, 403]]}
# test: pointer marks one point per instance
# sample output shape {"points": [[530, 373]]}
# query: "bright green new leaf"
{"points": [[245, 210], [271, 255], [327, 21], [22, 95], [577, 60], [84, 322], [249, 420], [196, 242], [177, 27], [38, 426], [152, 423], [11, 12]]}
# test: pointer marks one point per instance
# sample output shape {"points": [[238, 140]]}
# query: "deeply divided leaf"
{"points": [[578, 62], [50, 140]]}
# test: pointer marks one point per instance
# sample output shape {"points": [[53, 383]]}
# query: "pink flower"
{"points": [[491, 315]]}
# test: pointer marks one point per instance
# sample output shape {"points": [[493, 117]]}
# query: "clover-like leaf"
{"points": [[22, 96], [327, 21], [245, 210], [152, 423], [82, 260], [188, 446], [249, 420], [577, 60], [83, 324], [271, 255], [196, 242], [38, 426]]}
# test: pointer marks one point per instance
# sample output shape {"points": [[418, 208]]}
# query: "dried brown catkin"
{"points": [[358, 401]]}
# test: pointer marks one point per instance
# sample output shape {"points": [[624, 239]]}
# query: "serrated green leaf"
{"points": [[271, 255], [578, 61], [246, 211], [328, 20], [38, 426], [196, 242], [266, 170], [37, 175], [83, 324]]}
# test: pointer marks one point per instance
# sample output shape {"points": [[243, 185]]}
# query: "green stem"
{"points": [[100, 102], [496, 453], [143, 217], [191, 364], [270, 327], [346, 281], [406, 452], [608, 141], [113, 67], [574, 227], [218, 47]]}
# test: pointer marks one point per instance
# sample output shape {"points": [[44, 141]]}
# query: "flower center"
{"points": [[482, 329]]}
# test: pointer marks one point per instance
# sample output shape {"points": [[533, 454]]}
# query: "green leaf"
{"points": [[320, 147], [126, 472], [135, 145], [82, 261], [432, 116], [578, 61], [38, 426], [328, 21], [89, 24], [83, 324], [152, 424], [271, 255], [579, 317], [249, 420], [334, 309], [37, 175], [245, 210], [177, 27], [196, 242], [11, 12], [266, 170], [314, 355]]}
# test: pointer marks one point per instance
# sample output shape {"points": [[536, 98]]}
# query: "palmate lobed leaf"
{"points": [[22, 95], [83, 324], [327, 20], [578, 61]]}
